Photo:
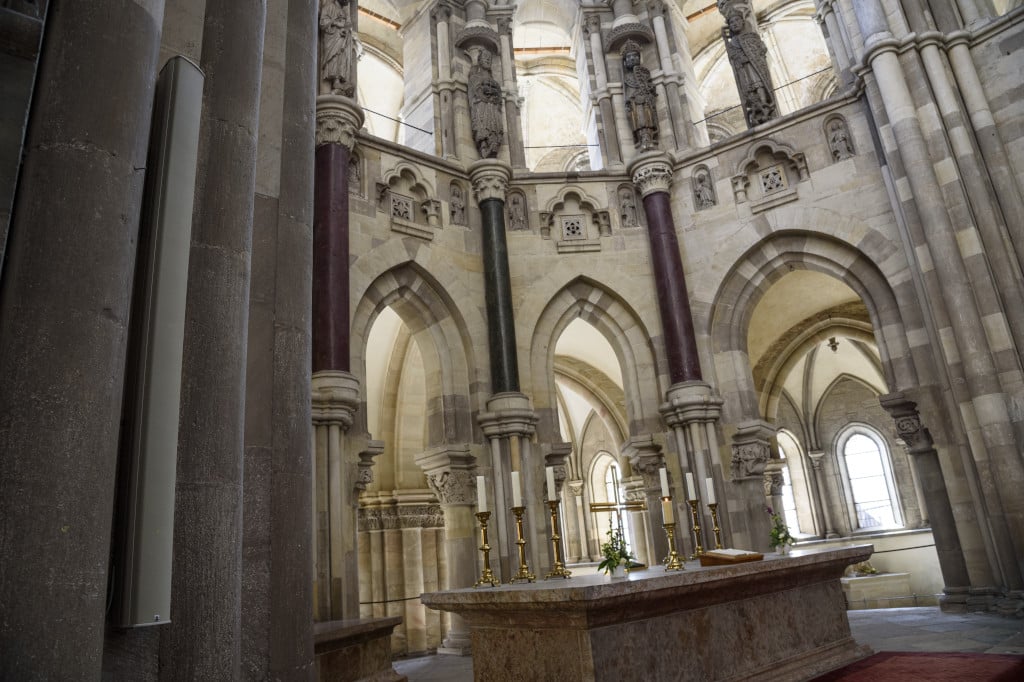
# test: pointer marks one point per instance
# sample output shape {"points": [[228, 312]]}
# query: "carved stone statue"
{"points": [[627, 207], [839, 140], [355, 175], [485, 107], [640, 95], [337, 48], [747, 53], [517, 213], [703, 191], [457, 205]]}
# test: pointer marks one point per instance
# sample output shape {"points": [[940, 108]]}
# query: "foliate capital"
{"points": [[490, 179], [338, 120], [651, 173], [456, 486]]}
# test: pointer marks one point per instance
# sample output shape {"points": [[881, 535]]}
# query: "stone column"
{"points": [[335, 389], [820, 498], [204, 639], [509, 423], [832, 33], [925, 461], [64, 310], [513, 123], [441, 14], [607, 123], [645, 458], [451, 477], [679, 113], [993, 446], [752, 447], [576, 521]]}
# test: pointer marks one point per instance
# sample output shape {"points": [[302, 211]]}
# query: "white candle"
{"points": [[552, 492], [666, 512], [690, 490], [517, 495], [710, 484], [664, 483], [481, 494]]}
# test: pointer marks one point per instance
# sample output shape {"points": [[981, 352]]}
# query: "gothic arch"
{"points": [[434, 324], [620, 325], [769, 260]]}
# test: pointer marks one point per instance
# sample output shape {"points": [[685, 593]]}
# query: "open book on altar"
{"points": [[723, 557]]}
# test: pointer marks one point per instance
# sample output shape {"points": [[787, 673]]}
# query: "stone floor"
{"points": [[910, 629]]}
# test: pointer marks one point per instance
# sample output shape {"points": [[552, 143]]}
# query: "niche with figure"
{"points": [[409, 201]]}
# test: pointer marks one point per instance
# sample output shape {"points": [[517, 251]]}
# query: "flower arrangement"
{"points": [[779, 536], [615, 551]]}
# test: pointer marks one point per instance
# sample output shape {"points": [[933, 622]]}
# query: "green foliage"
{"points": [[615, 551], [780, 531]]}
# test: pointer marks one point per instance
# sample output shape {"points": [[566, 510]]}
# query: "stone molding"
{"points": [[364, 475], [338, 120], [645, 457], [641, 33], [651, 172], [690, 402], [490, 179], [556, 457], [482, 36], [508, 414], [773, 479], [335, 397], [400, 516]]}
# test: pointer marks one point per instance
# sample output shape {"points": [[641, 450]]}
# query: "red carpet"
{"points": [[897, 666]]}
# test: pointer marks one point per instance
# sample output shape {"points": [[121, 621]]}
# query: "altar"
{"points": [[783, 618]]}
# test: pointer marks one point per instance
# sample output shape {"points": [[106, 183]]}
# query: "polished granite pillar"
{"points": [[652, 174], [490, 181]]}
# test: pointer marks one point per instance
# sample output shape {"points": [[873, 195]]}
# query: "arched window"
{"points": [[867, 476], [796, 504]]}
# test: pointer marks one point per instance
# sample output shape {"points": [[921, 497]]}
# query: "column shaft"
{"points": [[63, 332], [330, 259], [204, 638], [670, 283], [501, 331]]}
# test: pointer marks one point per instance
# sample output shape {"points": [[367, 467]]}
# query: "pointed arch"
{"points": [[620, 325], [769, 260]]}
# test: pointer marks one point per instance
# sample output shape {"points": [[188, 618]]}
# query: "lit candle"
{"points": [[664, 483], [517, 495], [552, 491], [690, 490], [710, 484], [481, 494], [666, 511]]}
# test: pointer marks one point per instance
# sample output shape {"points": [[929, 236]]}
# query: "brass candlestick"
{"points": [[696, 531], [713, 506], [487, 577], [672, 562], [559, 570], [524, 570]]}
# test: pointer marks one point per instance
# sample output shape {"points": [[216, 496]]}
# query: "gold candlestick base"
{"points": [[699, 550], [713, 506], [672, 562], [524, 571], [559, 570], [487, 577]]}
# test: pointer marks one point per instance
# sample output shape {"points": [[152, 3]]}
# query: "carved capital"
{"points": [[490, 179], [655, 7], [338, 120], [504, 26], [457, 486], [751, 449], [908, 423], [592, 24], [576, 488], [653, 177], [364, 476], [442, 12], [773, 479]]}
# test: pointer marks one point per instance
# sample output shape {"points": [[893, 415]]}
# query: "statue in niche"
{"points": [[747, 53], [640, 94], [355, 176], [627, 207], [839, 140], [517, 213], [337, 47], [485, 107], [703, 190], [457, 206]]}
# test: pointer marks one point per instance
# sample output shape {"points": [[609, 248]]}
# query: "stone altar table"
{"points": [[783, 618]]}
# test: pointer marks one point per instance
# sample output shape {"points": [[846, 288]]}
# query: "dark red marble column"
{"points": [[331, 259], [669, 281]]}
